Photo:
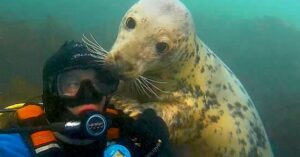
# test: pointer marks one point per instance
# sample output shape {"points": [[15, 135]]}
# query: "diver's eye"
{"points": [[130, 23], [161, 47]]}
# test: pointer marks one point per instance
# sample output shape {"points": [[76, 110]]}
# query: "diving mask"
{"points": [[70, 82]]}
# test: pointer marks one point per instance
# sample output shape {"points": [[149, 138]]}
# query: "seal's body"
{"points": [[165, 66]]}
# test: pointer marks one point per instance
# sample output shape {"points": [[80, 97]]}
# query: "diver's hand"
{"points": [[150, 135]]}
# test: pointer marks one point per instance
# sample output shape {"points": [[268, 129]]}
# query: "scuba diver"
{"points": [[76, 119]]}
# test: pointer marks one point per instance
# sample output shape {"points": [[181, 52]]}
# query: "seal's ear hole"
{"points": [[162, 47], [130, 23]]}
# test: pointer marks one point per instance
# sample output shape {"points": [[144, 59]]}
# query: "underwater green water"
{"points": [[258, 40], [78, 12]]}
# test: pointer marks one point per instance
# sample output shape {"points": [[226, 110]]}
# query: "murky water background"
{"points": [[258, 40]]}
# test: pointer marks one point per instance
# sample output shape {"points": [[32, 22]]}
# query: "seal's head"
{"points": [[150, 36]]}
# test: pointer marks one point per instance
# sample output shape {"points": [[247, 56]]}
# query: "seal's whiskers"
{"points": [[147, 86], [93, 45], [151, 83], [151, 80], [95, 42], [95, 51], [93, 48], [142, 87], [137, 87]]}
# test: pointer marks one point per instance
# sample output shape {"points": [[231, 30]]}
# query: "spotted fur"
{"points": [[206, 108]]}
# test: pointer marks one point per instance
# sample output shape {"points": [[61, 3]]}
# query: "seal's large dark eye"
{"points": [[130, 23], [161, 47]]}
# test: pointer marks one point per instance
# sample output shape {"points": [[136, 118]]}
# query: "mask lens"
{"points": [[106, 82], [68, 83]]}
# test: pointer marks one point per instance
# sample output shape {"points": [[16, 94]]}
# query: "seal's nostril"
{"points": [[109, 60], [129, 67], [118, 57]]}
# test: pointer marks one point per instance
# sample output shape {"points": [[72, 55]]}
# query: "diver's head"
{"points": [[74, 82]]}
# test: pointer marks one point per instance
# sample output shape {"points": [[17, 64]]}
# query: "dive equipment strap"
{"points": [[43, 142]]}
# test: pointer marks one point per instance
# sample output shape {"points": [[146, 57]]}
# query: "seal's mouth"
{"points": [[120, 71], [123, 68]]}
